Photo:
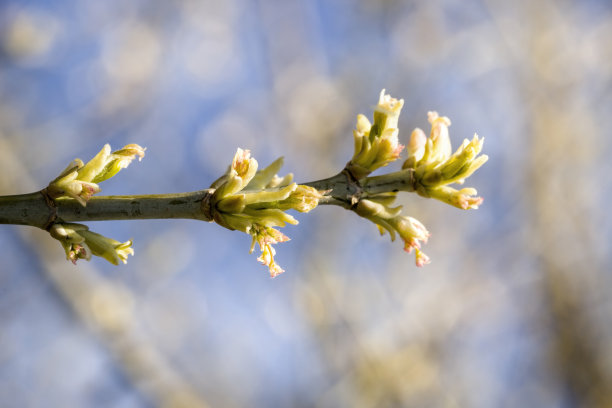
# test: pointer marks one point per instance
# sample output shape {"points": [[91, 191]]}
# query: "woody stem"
{"points": [[36, 209]]}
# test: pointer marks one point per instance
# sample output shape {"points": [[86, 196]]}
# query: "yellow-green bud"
{"points": [[390, 219], [386, 113], [78, 181], [302, 199], [376, 145], [232, 204], [265, 237], [269, 196], [106, 164], [416, 148], [240, 173], [439, 136], [80, 243], [464, 198], [111, 250], [268, 178]]}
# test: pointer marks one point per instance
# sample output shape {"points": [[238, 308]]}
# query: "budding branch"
{"points": [[254, 200]]}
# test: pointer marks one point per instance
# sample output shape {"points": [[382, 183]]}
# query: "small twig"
{"points": [[38, 210]]}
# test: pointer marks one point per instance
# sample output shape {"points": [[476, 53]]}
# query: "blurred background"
{"points": [[515, 309]]}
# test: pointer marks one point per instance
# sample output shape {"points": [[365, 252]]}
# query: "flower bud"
{"points": [[369, 208], [269, 217], [267, 259], [269, 196], [302, 199], [232, 204], [416, 148], [463, 198], [78, 181], [80, 243], [265, 237], [231, 185], [72, 241], [361, 134], [363, 125], [386, 113], [411, 231], [376, 145], [439, 136], [464, 161], [268, 178], [96, 165], [390, 219], [106, 164], [67, 184], [241, 172], [118, 160], [437, 167], [421, 258], [253, 201], [111, 250]]}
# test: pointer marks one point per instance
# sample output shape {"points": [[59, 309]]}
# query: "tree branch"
{"points": [[36, 210], [25, 209]]}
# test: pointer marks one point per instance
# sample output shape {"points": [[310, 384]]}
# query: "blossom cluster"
{"points": [[376, 145], [435, 167], [79, 181], [378, 210], [431, 158], [255, 202], [80, 243]]}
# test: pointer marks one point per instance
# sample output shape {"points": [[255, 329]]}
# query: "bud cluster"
{"points": [[431, 158], [378, 210], [435, 167], [376, 145], [255, 202], [79, 181], [80, 243]]}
